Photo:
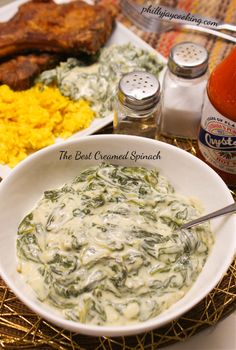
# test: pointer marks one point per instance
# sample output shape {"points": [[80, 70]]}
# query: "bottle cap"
{"points": [[139, 91], [188, 60]]}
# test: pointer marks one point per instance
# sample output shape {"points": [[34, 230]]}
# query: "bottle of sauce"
{"points": [[217, 135]]}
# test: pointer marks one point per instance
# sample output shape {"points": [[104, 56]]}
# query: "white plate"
{"points": [[121, 35]]}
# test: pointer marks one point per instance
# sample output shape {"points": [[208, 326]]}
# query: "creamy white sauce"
{"points": [[97, 83], [105, 249]]}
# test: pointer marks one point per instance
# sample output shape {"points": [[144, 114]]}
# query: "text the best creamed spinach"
{"points": [[105, 248]]}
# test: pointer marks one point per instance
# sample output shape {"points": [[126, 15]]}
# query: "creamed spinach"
{"points": [[97, 83], [106, 248]]}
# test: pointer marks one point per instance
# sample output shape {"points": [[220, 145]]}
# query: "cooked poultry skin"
{"points": [[44, 26]]}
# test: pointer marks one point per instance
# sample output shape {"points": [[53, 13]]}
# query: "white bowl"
{"points": [[20, 191]]}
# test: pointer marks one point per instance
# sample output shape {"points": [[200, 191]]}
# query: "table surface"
{"points": [[223, 335]]}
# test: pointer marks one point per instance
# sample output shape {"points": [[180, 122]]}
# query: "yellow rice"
{"points": [[33, 119]]}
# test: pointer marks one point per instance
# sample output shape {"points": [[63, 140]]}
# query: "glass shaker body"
{"points": [[182, 101], [183, 90], [128, 121], [137, 105]]}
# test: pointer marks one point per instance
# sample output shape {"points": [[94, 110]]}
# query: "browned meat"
{"points": [[19, 72], [44, 26]]}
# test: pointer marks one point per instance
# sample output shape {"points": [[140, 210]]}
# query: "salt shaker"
{"points": [[138, 108], [183, 90]]}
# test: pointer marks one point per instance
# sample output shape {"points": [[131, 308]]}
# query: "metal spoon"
{"points": [[226, 210]]}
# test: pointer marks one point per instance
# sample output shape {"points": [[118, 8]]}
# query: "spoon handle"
{"points": [[226, 210]]}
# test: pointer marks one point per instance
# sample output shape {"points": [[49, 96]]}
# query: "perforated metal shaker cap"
{"points": [[139, 91], [188, 60]]}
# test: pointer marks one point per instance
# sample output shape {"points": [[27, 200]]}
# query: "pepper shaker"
{"points": [[137, 110], [183, 90]]}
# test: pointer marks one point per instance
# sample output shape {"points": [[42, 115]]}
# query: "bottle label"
{"points": [[217, 139]]}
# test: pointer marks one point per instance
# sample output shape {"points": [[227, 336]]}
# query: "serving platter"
{"points": [[121, 35]]}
